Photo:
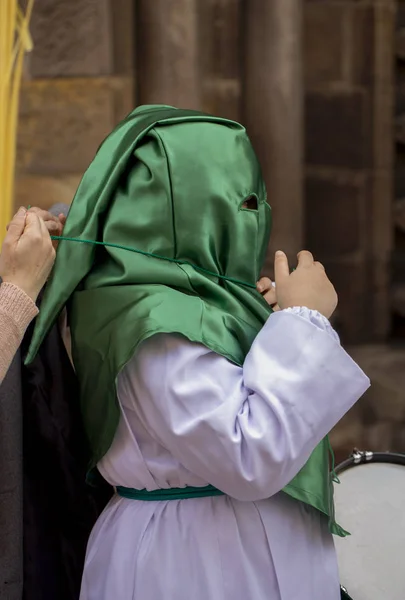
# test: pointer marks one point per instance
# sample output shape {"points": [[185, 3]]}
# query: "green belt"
{"points": [[169, 494]]}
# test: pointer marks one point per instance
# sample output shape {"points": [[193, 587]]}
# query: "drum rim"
{"points": [[364, 457]]}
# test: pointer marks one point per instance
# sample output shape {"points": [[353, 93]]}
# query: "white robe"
{"points": [[190, 417]]}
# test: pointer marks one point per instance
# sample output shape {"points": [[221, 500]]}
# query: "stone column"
{"points": [[382, 225], [167, 53], [220, 52], [273, 111]]}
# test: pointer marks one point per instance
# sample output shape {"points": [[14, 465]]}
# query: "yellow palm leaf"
{"points": [[15, 40]]}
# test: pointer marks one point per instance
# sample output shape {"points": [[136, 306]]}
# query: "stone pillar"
{"points": [[382, 225], [273, 111], [79, 84], [398, 291], [220, 50], [167, 53]]}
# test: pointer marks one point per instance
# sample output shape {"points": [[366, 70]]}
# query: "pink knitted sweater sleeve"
{"points": [[16, 312]]}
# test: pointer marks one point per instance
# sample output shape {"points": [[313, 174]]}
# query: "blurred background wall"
{"points": [[320, 85]]}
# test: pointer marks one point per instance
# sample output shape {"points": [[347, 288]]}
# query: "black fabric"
{"points": [[59, 507], [11, 489], [344, 595]]}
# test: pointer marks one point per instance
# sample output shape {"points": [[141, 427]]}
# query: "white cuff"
{"points": [[314, 317]]}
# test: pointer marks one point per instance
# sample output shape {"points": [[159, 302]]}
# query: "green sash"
{"points": [[169, 493]]}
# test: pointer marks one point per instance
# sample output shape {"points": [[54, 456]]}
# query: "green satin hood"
{"points": [[171, 183]]}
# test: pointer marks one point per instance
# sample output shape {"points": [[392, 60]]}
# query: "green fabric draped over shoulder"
{"points": [[173, 183]]}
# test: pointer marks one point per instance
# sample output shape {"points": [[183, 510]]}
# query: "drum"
{"points": [[370, 504]]}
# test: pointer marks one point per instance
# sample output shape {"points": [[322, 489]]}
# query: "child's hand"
{"points": [[266, 288], [307, 286]]}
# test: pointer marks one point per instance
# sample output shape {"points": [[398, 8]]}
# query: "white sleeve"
{"points": [[247, 431]]}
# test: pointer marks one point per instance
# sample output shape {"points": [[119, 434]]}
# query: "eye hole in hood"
{"points": [[250, 203]]}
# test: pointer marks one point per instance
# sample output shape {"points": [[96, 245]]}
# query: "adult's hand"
{"points": [[27, 255], [53, 224], [307, 286]]}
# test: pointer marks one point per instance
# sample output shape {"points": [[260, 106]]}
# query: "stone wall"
{"points": [[78, 83], [349, 155]]}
